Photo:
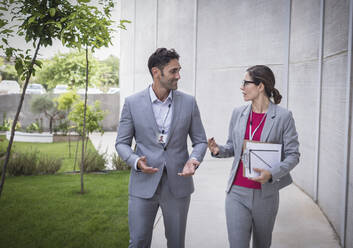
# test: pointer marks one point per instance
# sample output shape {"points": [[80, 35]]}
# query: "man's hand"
{"points": [[142, 165], [189, 168], [264, 177], [212, 146]]}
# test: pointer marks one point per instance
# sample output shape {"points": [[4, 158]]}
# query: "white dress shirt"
{"points": [[162, 113]]}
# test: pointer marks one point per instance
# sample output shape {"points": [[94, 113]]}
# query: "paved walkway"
{"points": [[300, 223]]}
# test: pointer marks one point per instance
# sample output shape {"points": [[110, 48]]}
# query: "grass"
{"points": [[57, 149], [48, 211]]}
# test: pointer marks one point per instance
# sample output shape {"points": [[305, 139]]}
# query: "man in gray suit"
{"points": [[160, 118]]}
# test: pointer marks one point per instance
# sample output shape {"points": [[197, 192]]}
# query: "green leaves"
{"points": [[94, 115], [52, 12], [89, 27], [122, 24]]}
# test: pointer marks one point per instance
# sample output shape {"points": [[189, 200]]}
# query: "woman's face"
{"points": [[249, 89]]}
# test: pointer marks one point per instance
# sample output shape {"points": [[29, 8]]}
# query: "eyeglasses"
{"points": [[245, 83]]}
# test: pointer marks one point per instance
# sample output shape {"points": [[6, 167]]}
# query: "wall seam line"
{"points": [[348, 123], [195, 45], [318, 106], [287, 52]]}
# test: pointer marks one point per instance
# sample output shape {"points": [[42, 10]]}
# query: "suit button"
{"points": [[165, 148]]}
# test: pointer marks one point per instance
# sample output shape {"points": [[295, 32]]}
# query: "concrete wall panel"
{"points": [[240, 33], [145, 43], [349, 237], [127, 48], [336, 26], [303, 83], [332, 138], [305, 30], [303, 95], [176, 29]]}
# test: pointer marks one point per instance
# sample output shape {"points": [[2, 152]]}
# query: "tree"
{"points": [[65, 102], [94, 115], [90, 28], [40, 23], [109, 71], [8, 72], [44, 104], [68, 68]]}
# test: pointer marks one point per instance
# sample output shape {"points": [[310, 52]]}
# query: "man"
{"points": [[160, 118]]}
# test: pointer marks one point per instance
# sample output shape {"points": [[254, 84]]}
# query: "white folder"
{"points": [[260, 155]]}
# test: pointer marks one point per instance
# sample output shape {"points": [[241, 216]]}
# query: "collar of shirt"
{"points": [[154, 98]]}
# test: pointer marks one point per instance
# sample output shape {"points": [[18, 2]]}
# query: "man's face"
{"points": [[169, 76]]}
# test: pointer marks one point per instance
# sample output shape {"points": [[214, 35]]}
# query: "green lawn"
{"points": [[57, 149], [48, 211]]}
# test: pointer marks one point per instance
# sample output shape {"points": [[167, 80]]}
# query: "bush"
{"points": [[31, 163], [34, 127], [48, 165], [94, 161], [119, 163], [22, 163], [6, 125]]}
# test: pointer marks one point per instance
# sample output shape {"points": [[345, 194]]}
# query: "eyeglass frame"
{"points": [[245, 83]]}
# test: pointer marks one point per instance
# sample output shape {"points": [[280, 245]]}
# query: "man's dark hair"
{"points": [[161, 57]]}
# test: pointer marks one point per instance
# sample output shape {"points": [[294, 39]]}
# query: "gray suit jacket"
{"points": [[279, 128], [137, 121]]}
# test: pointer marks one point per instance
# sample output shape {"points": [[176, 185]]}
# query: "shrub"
{"points": [[119, 163], [94, 161], [6, 125], [22, 163], [48, 165], [34, 127], [31, 163]]}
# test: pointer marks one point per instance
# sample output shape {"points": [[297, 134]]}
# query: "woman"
{"points": [[252, 203]]}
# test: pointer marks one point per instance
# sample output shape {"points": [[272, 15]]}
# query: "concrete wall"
{"points": [[308, 52], [109, 103]]}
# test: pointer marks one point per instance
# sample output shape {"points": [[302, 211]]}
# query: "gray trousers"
{"points": [[142, 213], [247, 212]]}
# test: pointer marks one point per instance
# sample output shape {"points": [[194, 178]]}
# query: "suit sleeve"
{"points": [[227, 150], [290, 150], [126, 132], [197, 135]]}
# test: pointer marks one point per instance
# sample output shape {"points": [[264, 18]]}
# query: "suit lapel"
{"points": [[270, 120], [175, 114], [242, 124], [148, 111]]}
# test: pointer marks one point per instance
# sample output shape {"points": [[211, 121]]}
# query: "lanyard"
{"points": [[165, 118], [251, 134]]}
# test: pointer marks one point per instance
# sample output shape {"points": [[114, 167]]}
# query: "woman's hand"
{"points": [[212, 146], [264, 177]]}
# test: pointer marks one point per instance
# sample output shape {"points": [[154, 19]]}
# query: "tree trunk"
{"points": [[84, 124], [51, 118], [69, 144], [87, 138], [7, 158], [78, 142]]}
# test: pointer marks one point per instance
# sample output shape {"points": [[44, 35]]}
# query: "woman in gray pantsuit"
{"points": [[252, 204]]}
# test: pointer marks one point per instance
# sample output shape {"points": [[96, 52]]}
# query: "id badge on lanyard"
{"points": [[161, 138]]}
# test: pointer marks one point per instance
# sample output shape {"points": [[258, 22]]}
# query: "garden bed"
{"points": [[31, 137], [42, 137]]}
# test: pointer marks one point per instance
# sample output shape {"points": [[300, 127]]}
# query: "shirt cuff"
{"points": [[135, 164]]}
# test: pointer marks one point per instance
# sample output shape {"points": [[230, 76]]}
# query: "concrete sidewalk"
{"points": [[300, 222]]}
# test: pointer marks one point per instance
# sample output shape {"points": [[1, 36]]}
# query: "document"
{"points": [[260, 155]]}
